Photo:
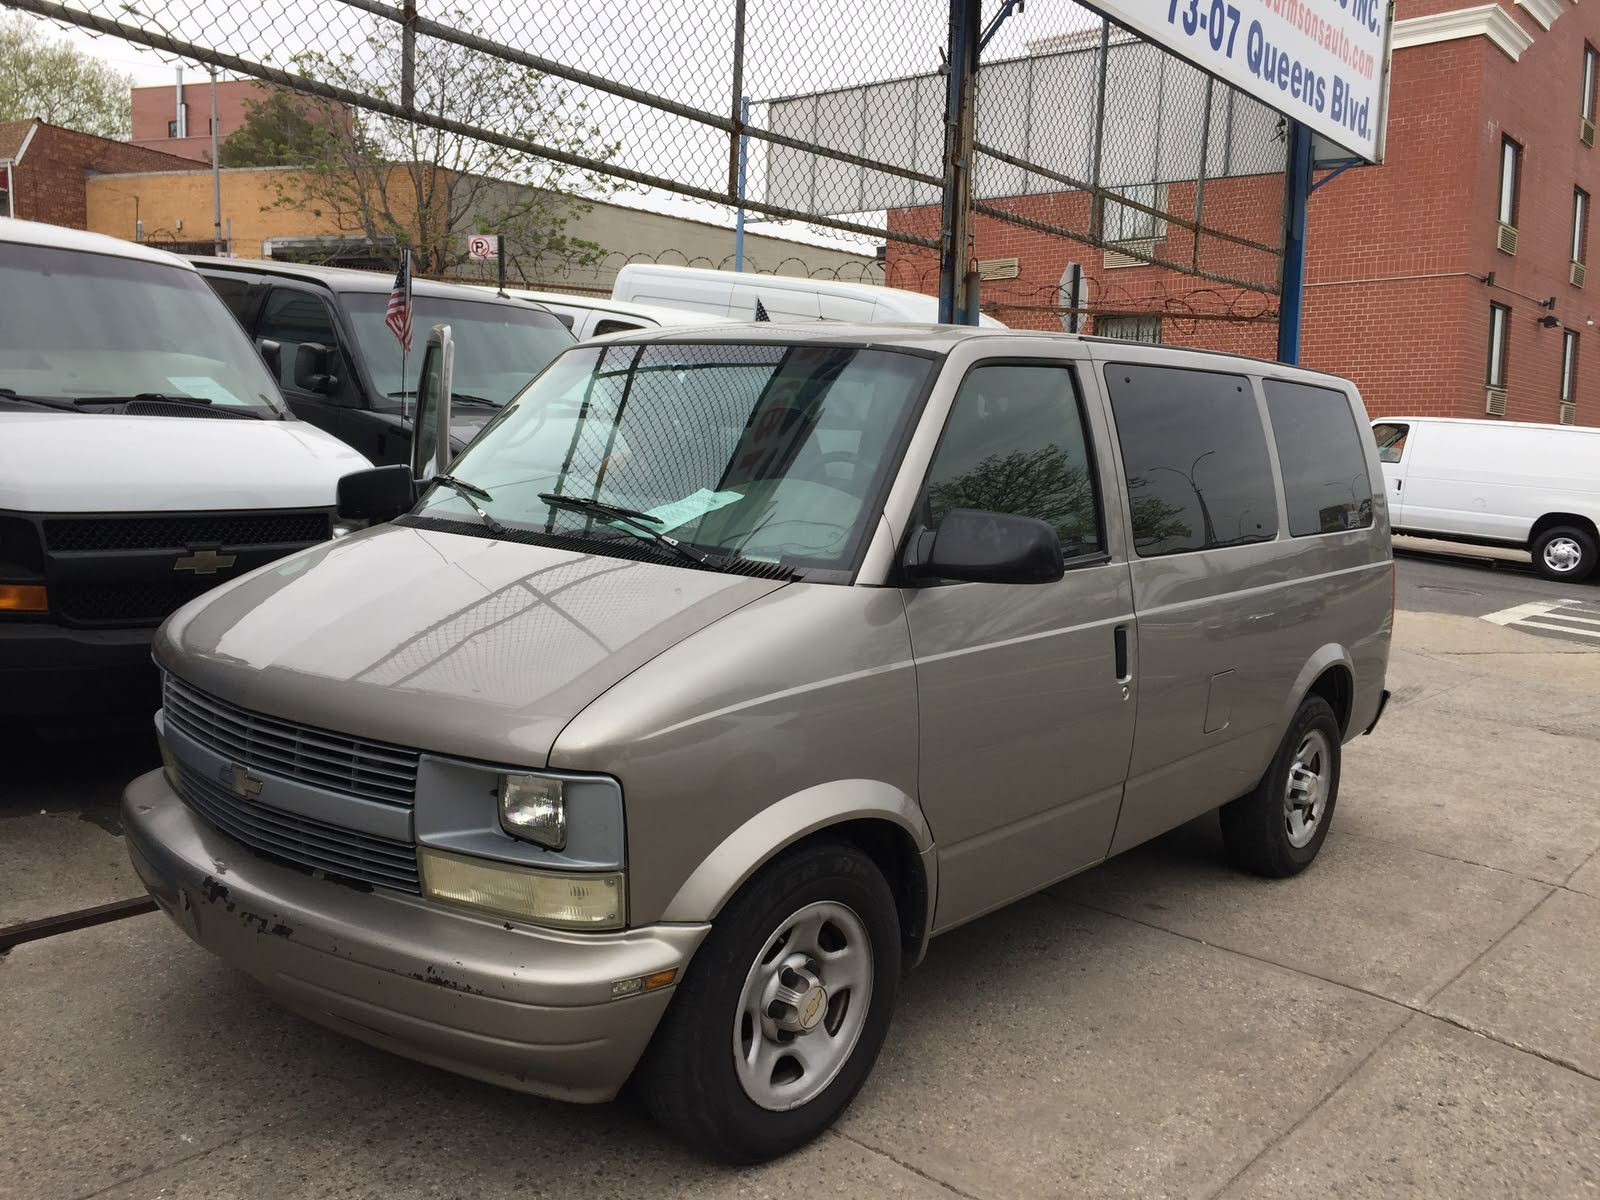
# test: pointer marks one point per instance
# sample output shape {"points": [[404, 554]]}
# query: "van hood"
{"points": [[56, 462], [452, 643]]}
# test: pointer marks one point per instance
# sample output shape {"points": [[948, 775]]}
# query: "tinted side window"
{"points": [[1324, 464], [1195, 456], [613, 325], [293, 317], [1015, 444], [240, 295], [1391, 441]]}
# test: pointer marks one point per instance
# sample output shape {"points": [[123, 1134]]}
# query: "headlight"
{"points": [[563, 899], [534, 808]]}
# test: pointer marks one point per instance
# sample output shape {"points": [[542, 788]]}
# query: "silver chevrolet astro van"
{"points": [[727, 666]]}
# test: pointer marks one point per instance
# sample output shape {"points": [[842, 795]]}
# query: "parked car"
{"points": [[145, 456], [792, 649], [783, 298], [590, 316], [1497, 483], [322, 330]]}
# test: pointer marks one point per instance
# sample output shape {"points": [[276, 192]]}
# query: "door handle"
{"points": [[1119, 642]]}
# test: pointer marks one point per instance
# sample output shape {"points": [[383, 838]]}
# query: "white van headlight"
{"points": [[561, 899], [534, 808]]}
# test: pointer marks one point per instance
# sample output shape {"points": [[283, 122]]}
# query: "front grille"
{"points": [[301, 841], [266, 745], [179, 532], [141, 602]]}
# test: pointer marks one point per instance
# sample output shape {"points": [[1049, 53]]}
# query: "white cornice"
{"points": [[1485, 20], [1544, 11]]}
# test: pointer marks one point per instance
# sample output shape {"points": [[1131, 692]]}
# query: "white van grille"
{"points": [[1495, 402], [1507, 240]]}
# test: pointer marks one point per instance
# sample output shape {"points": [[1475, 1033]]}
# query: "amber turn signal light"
{"points": [[23, 597]]}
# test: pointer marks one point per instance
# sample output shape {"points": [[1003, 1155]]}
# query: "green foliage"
{"points": [[279, 131], [402, 183], [46, 77]]}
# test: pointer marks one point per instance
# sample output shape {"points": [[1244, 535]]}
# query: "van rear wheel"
{"points": [[1565, 553], [1278, 828], [783, 1010]]}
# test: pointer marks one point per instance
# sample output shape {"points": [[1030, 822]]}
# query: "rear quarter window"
{"points": [[1325, 480], [1195, 454]]}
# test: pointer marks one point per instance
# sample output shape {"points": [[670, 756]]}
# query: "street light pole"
{"points": [[216, 175]]}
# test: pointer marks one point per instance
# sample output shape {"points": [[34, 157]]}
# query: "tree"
{"points": [[51, 79], [400, 182], [279, 131]]}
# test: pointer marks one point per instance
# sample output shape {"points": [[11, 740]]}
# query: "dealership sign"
{"points": [[1323, 62]]}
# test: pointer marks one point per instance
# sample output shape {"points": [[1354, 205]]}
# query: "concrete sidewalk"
{"points": [[1417, 1015]]}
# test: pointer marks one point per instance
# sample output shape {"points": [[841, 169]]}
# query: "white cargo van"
{"points": [[145, 456], [595, 316], [783, 298], [1497, 483]]}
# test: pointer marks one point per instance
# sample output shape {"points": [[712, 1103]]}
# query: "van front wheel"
{"points": [[783, 1010], [1277, 829], [1564, 553]]}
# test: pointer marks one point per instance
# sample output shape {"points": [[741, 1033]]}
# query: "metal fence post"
{"points": [[408, 57], [954, 307], [1296, 191], [744, 151], [1096, 197]]}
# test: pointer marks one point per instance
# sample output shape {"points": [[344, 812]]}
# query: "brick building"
{"points": [[159, 125], [45, 170], [1442, 282]]}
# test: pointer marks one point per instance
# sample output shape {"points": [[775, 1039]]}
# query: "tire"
{"points": [[827, 898], [1565, 553], [1277, 829]]}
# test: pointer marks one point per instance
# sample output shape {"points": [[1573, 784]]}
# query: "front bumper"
{"points": [[49, 670], [524, 1008]]}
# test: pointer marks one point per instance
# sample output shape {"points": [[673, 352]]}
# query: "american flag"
{"points": [[398, 316]]}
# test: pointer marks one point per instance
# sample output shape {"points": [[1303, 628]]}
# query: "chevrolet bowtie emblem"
{"points": [[205, 562], [245, 785]]}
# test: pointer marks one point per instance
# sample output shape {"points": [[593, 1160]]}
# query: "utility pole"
{"points": [[1292, 281], [216, 176], [955, 233]]}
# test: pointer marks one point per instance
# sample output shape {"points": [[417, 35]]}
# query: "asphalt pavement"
{"points": [[1416, 1015]]}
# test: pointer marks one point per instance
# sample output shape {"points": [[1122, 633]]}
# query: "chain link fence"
{"points": [[1114, 185]]}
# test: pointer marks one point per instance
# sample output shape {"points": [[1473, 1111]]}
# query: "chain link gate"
{"points": [[1115, 188]]}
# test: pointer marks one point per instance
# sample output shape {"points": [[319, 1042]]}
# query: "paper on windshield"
{"points": [[681, 512], [203, 387]]}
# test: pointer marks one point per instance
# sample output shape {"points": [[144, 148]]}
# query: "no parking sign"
{"points": [[483, 246]]}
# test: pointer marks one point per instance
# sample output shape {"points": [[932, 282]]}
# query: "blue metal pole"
{"points": [[744, 154], [1296, 192]]}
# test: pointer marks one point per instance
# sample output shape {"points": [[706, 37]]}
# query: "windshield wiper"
{"points": [[470, 492], [42, 401], [632, 518], [454, 396]]}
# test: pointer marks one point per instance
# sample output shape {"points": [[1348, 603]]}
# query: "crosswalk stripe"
{"points": [[1592, 633]]}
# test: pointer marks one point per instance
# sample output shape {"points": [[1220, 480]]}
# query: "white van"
{"points": [[594, 316], [145, 456], [783, 298], [1498, 483]]}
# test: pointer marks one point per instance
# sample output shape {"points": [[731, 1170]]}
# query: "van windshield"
{"points": [[499, 347], [746, 453], [84, 326]]}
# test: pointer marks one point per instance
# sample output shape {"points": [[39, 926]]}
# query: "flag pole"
{"points": [[405, 265]]}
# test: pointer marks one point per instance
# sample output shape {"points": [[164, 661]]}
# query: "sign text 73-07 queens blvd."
{"points": [[1322, 62]]}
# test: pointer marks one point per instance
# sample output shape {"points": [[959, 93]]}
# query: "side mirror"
{"points": [[311, 363], [376, 495], [988, 547], [430, 433], [272, 354]]}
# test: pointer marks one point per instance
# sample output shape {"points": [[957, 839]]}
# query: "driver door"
{"points": [[1025, 691]]}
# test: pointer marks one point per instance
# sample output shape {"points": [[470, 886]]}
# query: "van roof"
{"points": [[660, 313], [37, 233], [349, 279], [1481, 421], [938, 338]]}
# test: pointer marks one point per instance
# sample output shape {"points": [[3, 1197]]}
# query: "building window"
{"points": [[1129, 329], [1580, 224], [1510, 177], [1499, 324], [1124, 224], [1591, 67], [1569, 366], [172, 129]]}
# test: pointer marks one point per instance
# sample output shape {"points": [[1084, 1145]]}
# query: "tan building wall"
{"points": [[175, 207]]}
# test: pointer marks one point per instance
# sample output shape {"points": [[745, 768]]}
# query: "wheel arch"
{"points": [[1552, 520], [882, 821], [1329, 673]]}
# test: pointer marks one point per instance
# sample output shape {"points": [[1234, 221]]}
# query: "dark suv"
{"points": [[322, 331]]}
